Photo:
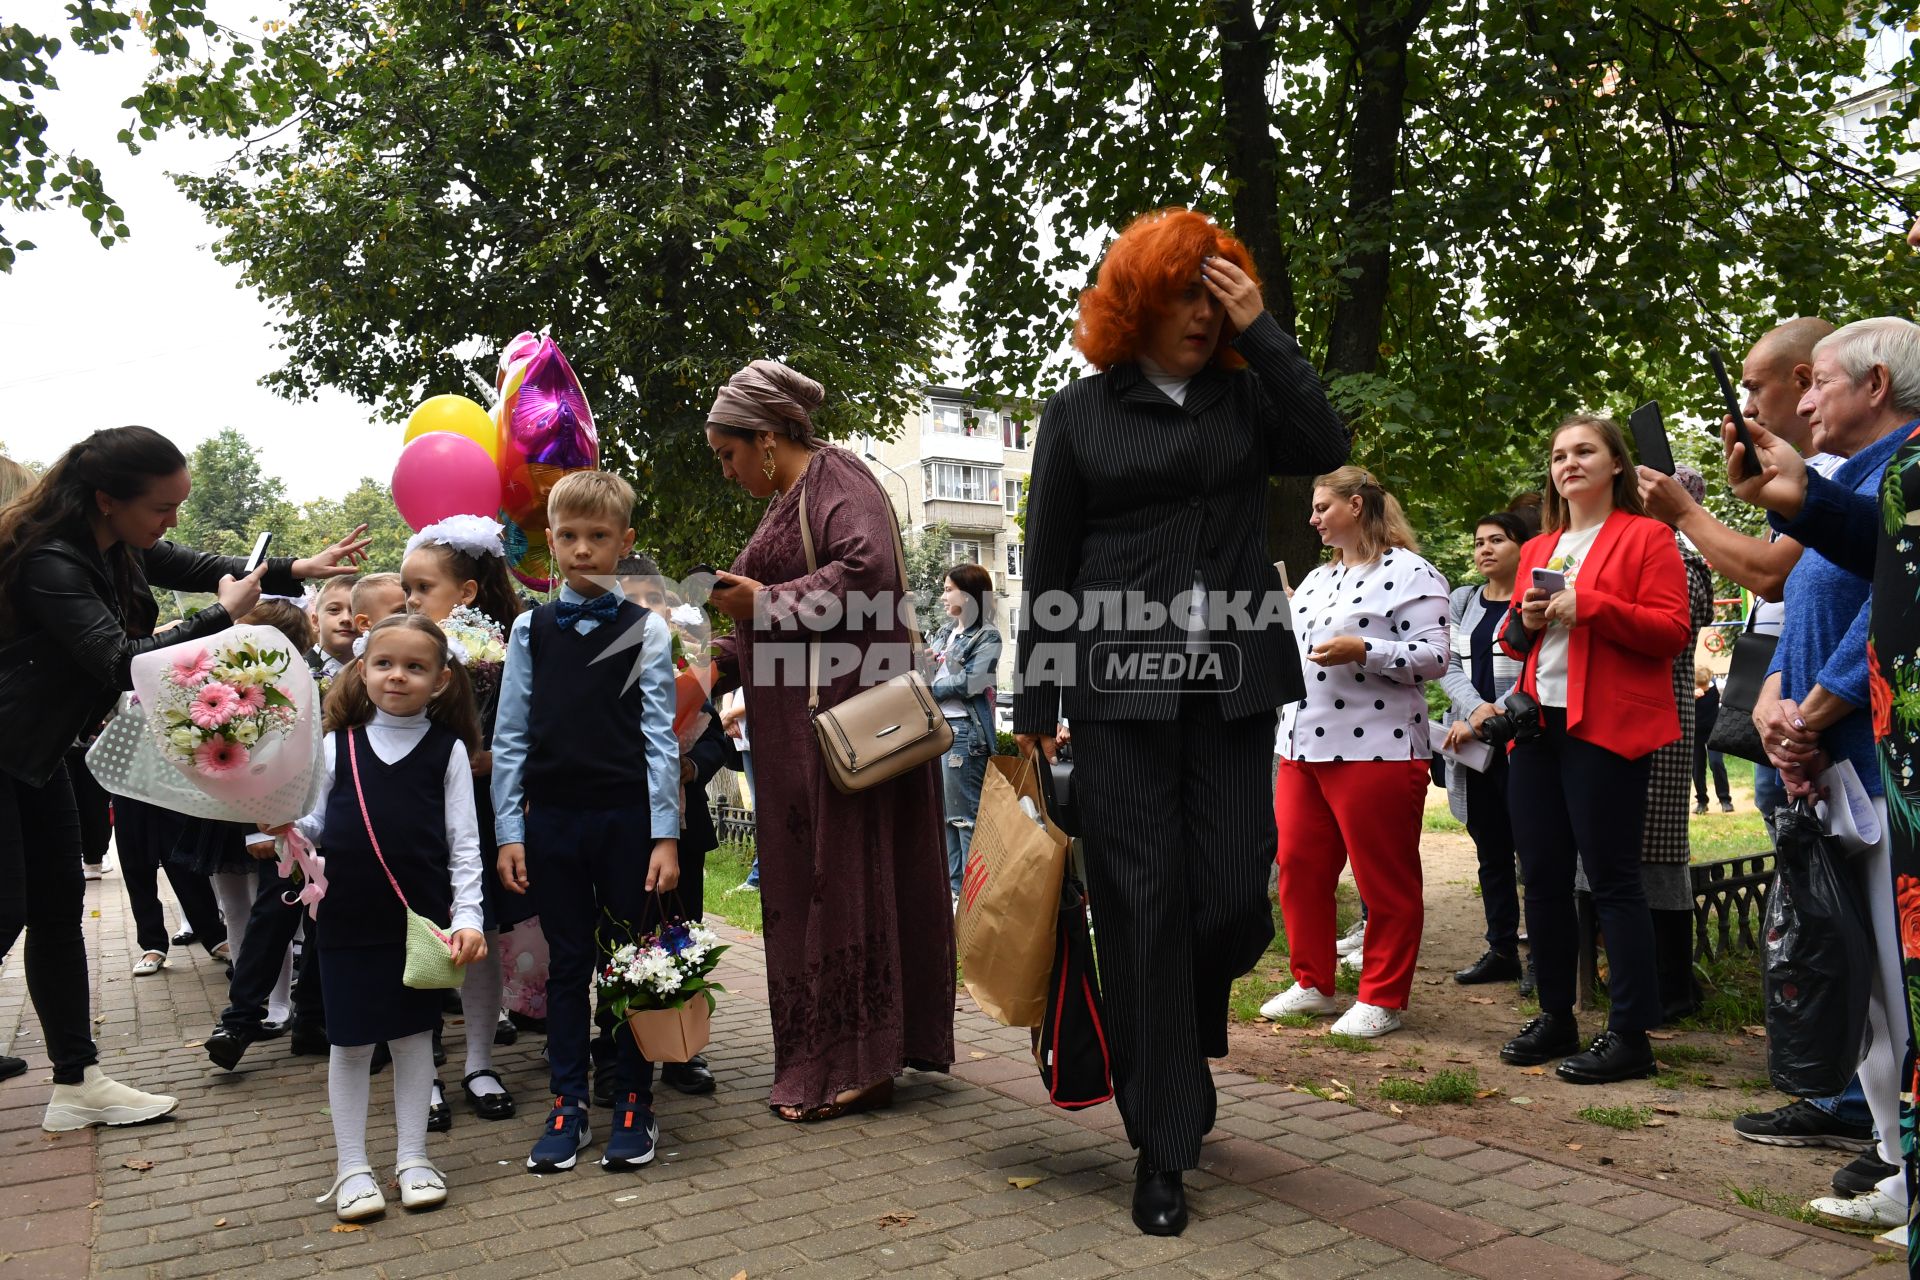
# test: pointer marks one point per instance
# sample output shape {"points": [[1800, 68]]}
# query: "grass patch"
{"points": [[1442, 1087], [1253, 990], [1349, 1044], [1767, 1200], [1731, 995], [722, 896], [1440, 820], [1754, 1084], [1616, 1117], [1671, 1079], [1681, 1055]]}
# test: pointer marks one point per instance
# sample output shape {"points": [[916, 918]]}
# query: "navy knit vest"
{"points": [[407, 801], [586, 739]]}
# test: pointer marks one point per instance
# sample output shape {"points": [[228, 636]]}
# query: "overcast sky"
{"points": [[153, 330]]}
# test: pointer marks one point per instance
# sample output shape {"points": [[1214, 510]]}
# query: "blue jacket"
{"points": [[968, 671], [1824, 639]]}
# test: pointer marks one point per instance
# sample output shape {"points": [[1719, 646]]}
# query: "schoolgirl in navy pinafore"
{"points": [[361, 924]]}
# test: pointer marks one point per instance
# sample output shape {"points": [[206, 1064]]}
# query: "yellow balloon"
{"points": [[458, 415]]}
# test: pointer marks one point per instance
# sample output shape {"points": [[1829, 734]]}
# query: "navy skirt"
{"points": [[371, 1003]]}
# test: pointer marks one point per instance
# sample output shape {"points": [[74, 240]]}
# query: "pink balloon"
{"points": [[442, 474]]}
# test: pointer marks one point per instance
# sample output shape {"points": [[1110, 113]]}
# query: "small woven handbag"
{"points": [[430, 965]]}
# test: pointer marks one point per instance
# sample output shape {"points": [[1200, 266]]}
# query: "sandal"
{"points": [[439, 1114], [875, 1097], [488, 1106], [151, 962]]}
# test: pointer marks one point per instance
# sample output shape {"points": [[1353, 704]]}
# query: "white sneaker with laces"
{"points": [[1355, 960], [1352, 938], [1872, 1209], [1299, 999], [100, 1100], [1367, 1021]]}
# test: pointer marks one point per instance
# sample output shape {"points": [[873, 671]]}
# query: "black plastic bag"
{"points": [[1072, 1049], [1818, 960]]}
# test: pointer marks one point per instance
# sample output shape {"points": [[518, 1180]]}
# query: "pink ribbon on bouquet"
{"points": [[298, 851]]}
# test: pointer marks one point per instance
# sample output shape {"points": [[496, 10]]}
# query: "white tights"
{"points": [[349, 1075], [480, 999], [233, 890]]}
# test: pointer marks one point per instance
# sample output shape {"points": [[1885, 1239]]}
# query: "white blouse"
{"points": [[391, 738], [1374, 709]]}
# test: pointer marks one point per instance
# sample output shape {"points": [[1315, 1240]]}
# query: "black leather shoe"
{"points": [[306, 1039], [270, 1030], [1866, 1172], [1494, 966], [186, 937], [602, 1091], [1549, 1036], [1613, 1056], [226, 1047], [11, 1067], [691, 1076], [1159, 1200], [1529, 981], [504, 1032], [439, 1050]]}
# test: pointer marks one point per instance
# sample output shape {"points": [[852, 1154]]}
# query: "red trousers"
{"points": [[1367, 812]]}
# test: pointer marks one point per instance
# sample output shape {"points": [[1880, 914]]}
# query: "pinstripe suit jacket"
{"points": [[1132, 493]]}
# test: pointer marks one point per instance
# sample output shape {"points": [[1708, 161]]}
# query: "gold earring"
{"points": [[767, 466]]}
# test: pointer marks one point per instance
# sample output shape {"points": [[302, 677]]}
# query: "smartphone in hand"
{"points": [[260, 545], [1551, 581], [1750, 461]]}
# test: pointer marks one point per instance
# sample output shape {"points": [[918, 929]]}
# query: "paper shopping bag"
{"points": [[1010, 896]]}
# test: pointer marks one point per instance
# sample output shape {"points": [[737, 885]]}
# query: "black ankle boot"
{"points": [[1159, 1200], [1613, 1056], [1494, 966], [1549, 1036], [1529, 981]]}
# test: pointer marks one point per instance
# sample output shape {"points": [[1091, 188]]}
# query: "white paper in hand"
{"points": [[1473, 753]]}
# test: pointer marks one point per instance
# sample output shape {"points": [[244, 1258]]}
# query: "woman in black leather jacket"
{"points": [[77, 554]]}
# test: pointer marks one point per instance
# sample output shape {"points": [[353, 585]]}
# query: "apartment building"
{"points": [[964, 462]]}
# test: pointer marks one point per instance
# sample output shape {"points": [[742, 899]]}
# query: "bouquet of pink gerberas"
{"points": [[226, 727]]}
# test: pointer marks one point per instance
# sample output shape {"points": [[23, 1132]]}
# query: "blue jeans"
{"points": [[746, 766], [1768, 792], [1849, 1106], [961, 774]]}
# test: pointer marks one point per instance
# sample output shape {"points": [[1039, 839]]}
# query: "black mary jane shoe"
{"points": [[1613, 1056], [1159, 1200], [1494, 966], [488, 1106], [439, 1114], [1549, 1036], [505, 1032], [691, 1076]]}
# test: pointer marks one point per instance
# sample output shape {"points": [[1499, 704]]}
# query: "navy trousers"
{"points": [[273, 923], [587, 875]]}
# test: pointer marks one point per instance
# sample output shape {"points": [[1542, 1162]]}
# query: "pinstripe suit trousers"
{"points": [[1179, 834]]}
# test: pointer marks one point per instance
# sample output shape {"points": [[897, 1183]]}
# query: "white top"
{"points": [[737, 698], [1770, 615], [391, 738], [1375, 709], [1550, 673]]}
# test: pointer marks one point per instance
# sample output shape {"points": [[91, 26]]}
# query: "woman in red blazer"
{"points": [[1598, 657]]}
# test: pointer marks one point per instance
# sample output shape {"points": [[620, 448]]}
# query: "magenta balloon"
{"points": [[442, 474]]}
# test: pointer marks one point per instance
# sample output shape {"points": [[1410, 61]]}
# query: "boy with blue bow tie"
{"points": [[585, 764]]}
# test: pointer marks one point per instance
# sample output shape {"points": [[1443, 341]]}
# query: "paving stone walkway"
{"points": [[1290, 1186]]}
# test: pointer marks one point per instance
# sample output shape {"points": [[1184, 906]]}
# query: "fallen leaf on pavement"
{"points": [[342, 1228], [1021, 1184], [1655, 1123], [1660, 1035], [1395, 1108], [976, 1055], [1668, 1111], [139, 1166], [1575, 1146], [219, 1222], [1533, 1071], [193, 1044], [1757, 1032], [99, 1019], [898, 1218], [740, 1275], [95, 1204], [1479, 999], [1485, 1093]]}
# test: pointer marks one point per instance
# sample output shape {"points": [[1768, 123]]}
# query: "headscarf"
{"points": [[1693, 482], [768, 396]]}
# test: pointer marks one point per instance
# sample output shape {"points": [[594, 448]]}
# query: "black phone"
{"points": [[1751, 464], [260, 545], [1650, 437]]}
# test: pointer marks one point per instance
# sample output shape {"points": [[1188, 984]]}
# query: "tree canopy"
{"points": [[1478, 218], [424, 180]]}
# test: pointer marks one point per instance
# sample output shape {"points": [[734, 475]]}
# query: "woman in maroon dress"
{"points": [[853, 888]]}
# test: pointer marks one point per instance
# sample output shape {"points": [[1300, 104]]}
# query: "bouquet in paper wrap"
{"points": [[227, 728]]}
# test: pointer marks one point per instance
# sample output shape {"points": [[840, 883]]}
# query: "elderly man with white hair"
{"points": [[1831, 693]]}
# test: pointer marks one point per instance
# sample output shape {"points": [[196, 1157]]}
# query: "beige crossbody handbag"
{"points": [[882, 732]]}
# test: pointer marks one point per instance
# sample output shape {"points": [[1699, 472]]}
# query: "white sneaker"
{"points": [[1299, 999], [355, 1195], [421, 1185], [99, 1100], [93, 870], [1367, 1021], [1355, 960], [1870, 1209], [1352, 938]]}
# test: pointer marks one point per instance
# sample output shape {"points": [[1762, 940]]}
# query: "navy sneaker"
{"points": [[634, 1136], [560, 1142]]}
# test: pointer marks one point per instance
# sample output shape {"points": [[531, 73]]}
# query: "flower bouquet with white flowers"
{"points": [[663, 986], [478, 644], [219, 703]]}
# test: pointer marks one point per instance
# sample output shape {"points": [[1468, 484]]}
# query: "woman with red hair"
{"points": [[1156, 622]]}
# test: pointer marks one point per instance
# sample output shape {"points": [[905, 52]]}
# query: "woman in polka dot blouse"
{"points": [[1353, 774]]}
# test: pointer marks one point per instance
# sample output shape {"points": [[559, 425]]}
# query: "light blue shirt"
{"points": [[657, 706]]}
